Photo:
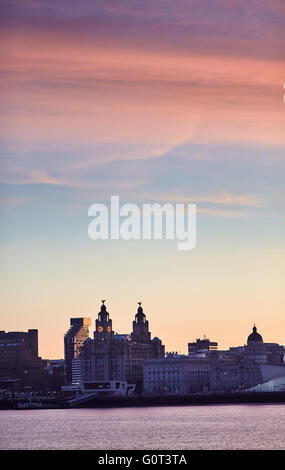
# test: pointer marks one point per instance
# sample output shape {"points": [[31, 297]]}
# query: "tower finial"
{"points": [[139, 303], [103, 301]]}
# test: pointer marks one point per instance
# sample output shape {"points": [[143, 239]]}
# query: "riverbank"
{"points": [[195, 399], [170, 400]]}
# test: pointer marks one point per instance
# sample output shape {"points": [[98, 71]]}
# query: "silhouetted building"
{"points": [[111, 356], [202, 344], [255, 351], [247, 366], [176, 375], [273, 385], [73, 343], [275, 354], [140, 332], [208, 369], [19, 358], [56, 373]]}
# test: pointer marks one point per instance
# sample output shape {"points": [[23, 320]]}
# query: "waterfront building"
{"points": [[56, 373], [111, 356], [255, 352], [89, 390], [8, 387], [107, 388], [245, 367], [275, 354], [176, 374], [274, 385], [76, 371], [137, 359], [208, 369], [19, 357], [73, 342]]}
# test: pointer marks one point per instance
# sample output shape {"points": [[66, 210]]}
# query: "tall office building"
{"points": [[73, 342]]}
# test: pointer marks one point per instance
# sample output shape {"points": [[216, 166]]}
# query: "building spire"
{"points": [[140, 310], [140, 332]]}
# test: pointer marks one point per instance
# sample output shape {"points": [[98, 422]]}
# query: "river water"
{"points": [[163, 428]]}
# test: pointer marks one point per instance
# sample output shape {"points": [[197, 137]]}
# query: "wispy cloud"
{"points": [[226, 199], [81, 80]]}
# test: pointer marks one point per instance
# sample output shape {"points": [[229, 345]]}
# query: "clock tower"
{"points": [[140, 332], [103, 325]]}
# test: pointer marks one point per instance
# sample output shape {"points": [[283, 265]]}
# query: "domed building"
{"points": [[254, 336], [255, 350]]}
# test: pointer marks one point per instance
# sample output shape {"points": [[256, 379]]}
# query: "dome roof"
{"points": [[254, 336]]}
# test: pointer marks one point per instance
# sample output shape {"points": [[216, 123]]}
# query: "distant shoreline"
{"points": [[195, 399], [135, 401]]}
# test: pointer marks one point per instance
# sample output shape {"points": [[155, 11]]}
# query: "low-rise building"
{"points": [[107, 388], [176, 375]]}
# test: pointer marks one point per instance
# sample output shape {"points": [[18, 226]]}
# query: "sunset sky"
{"points": [[154, 101]]}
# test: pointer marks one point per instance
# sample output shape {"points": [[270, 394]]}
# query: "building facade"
{"points": [[176, 375]]}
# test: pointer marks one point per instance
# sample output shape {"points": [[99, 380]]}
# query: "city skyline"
{"points": [[153, 102], [92, 328]]}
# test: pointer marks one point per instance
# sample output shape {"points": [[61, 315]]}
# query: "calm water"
{"points": [[187, 427]]}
